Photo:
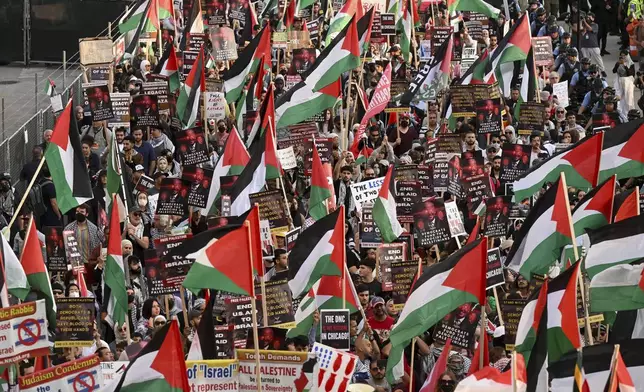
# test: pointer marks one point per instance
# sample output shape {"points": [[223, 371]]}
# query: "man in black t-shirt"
{"points": [[52, 216]]}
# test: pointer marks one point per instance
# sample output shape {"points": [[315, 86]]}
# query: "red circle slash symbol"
{"points": [[31, 337], [84, 382]]}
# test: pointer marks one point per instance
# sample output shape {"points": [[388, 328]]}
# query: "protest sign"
{"points": [[72, 253], [270, 338], [365, 191], [441, 172], [83, 374], [494, 269], [336, 368], [497, 215], [325, 151], [387, 254], [199, 180], [96, 50], [296, 134], [238, 313], [279, 304], [542, 52], [191, 144], [474, 29], [213, 375], [160, 89], [224, 342], [605, 120], [430, 222], [173, 197], [531, 117], [237, 10], [515, 160], [164, 272], [291, 238], [280, 370], [454, 219], [462, 101], [121, 109], [477, 188], [406, 173], [387, 24], [402, 276], [369, 232], [272, 207], [334, 328], [224, 47], [215, 105], [488, 116], [408, 193], [55, 247], [303, 59], [287, 158], [454, 174], [118, 49], [511, 310], [144, 184], [449, 143], [468, 57], [144, 111], [74, 322], [459, 325], [438, 36], [425, 50], [407, 239], [112, 371], [216, 12], [24, 331], [425, 178], [560, 90], [99, 102]]}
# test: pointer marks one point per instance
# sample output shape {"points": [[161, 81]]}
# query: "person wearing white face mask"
{"points": [[73, 290]]}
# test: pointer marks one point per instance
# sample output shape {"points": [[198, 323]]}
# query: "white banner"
{"points": [[215, 105], [281, 371], [287, 158], [112, 371], [454, 219], [561, 91], [365, 191], [83, 374], [23, 331], [213, 375]]}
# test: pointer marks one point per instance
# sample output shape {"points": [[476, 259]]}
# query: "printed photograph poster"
{"points": [[497, 215], [515, 161], [488, 116], [237, 10], [223, 42], [303, 59], [272, 207], [55, 249], [100, 103], [144, 111], [459, 325], [430, 222], [200, 180], [173, 197], [192, 147], [216, 12]]}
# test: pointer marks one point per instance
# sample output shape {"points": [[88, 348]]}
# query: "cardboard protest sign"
{"points": [[224, 342], [121, 109], [83, 374], [497, 215], [459, 325], [215, 105], [238, 313], [387, 254], [531, 117], [408, 193], [213, 375], [224, 47], [402, 277], [55, 249], [163, 272], [494, 269], [303, 59], [426, 180], [441, 172], [511, 310], [74, 322], [454, 219], [477, 188], [272, 207], [325, 150], [112, 371], [216, 12], [99, 102], [281, 370], [287, 158], [72, 253], [144, 185], [334, 328], [200, 180], [144, 111], [369, 232], [161, 91], [173, 197], [430, 222], [23, 331], [515, 160], [365, 191], [189, 59], [542, 52], [191, 144], [279, 306], [96, 50], [488, 116]]}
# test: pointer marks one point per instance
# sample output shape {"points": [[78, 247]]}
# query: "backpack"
{"points": [[34, 201]]}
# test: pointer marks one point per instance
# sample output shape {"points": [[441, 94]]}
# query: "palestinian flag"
{"points": [[529, 324], [620, 379], [627, 204], [14, 278], [536, 366], [248, 100], [50, 88], [321, 188], [364, 29], [114, 276], [147, 22], [514, 46], [266, 110], [545, 231], [318, 251], [250, 24], [231, 163], [326, 294], [563, 328], [203, 345], [580, 384], [618, 243], [66, 163], [489, 379], [289, 14], [159, 367], [440, 289], [628, 324], [273, 165], [190, 93], [579, 162], [595, 209], [476, 358], [168, 66], [478, 6], [252, 179], [33, 264], [404, 27], [384, 209], [622, 153], [364, 154], [432, 78], [212, 268], [117, 185], [597, 365], [620, 287], [131, 19], [302, 102], [438, 369], [247, 63], [350, 9], [475, 231], [340, 56], [529, 86], [166, 11], [194, 22]]}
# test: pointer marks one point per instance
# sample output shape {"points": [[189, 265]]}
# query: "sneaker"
{"points": [[605, 52]]}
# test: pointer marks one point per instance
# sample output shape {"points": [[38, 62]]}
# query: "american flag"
{"points": [[336, 368]]}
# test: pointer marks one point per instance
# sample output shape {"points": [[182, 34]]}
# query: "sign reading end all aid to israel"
{"points": [[23, 332]]}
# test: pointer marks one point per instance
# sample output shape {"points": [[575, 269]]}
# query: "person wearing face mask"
{"points": [[447, 382], [279, 86], [89, 237], [73, 290], [222, 134], [138, 232], [137, 282], [402, 136]]}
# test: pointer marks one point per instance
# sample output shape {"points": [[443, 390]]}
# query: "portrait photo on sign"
{"points": [[191, 144], [173, 197], [303, 59], [430, 222], [144, 111], [99, 103]]}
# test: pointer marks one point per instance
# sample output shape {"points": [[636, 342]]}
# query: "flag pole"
{"points": [[346, 132], [253, 311], [513, 369], [342, 131], [24, 196], [613, 364], [498, 306], [344, 262], [482, 337], [413, 342]]}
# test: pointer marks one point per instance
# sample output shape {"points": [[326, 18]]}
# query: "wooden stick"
{"points": [[482, 338], [346, 130], [24, 196], [498, 306], [185, 307], [411, 364], [258, 373], [264, 308]]}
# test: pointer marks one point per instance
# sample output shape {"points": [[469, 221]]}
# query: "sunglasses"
{"points": [[138, 214], [560, 111], [159, 323]]}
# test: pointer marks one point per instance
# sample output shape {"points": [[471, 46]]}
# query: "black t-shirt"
{"points": [[375, 287], [49, 218], [137, 250]]}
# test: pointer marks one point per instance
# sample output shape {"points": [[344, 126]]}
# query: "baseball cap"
{"points": [[139, 168], [375, 301]]}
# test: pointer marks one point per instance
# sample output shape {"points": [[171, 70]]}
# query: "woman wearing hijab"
{"points": [[625, 82]]}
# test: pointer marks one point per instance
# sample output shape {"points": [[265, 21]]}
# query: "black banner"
{"points": [[173, 197], [387, 254], [497, 215], [238, 313], [272, 207], [191, 144], [56, 260], [430, 222], [334, 327], [402, 277], [408, 193], [515, 160], [459, 325], [511, 310], [144, 111], [200, 180]]}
